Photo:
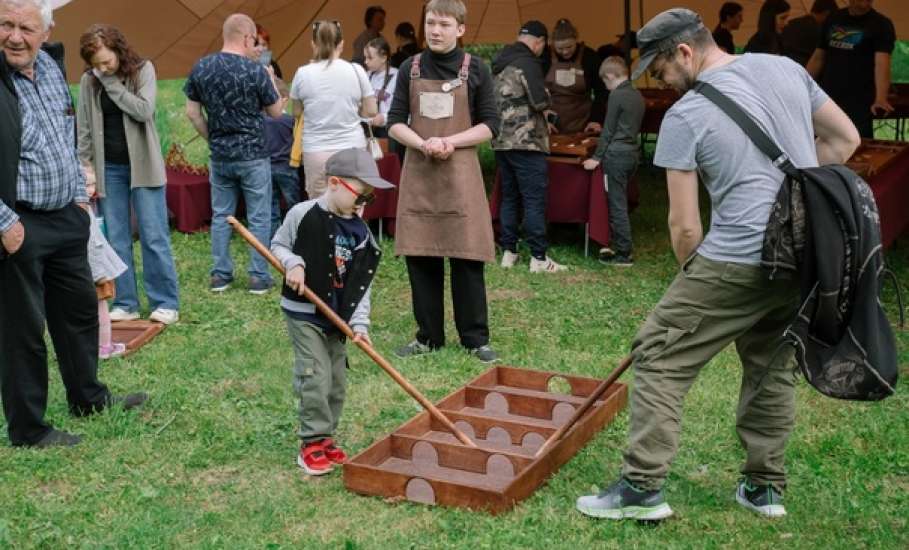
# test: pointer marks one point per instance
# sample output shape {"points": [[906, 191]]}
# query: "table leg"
{"points": [[586, 239], [380, 229]]}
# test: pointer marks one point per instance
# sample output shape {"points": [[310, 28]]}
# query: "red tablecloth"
{"points": [[189, 197], [891, 192], [574, 195]]}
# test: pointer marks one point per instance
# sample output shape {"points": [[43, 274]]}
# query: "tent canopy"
{"points": [[176, 33]]}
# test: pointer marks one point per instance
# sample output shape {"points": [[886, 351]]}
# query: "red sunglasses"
{"points": [[363, 199]]}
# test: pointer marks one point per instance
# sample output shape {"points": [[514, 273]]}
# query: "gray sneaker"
{"points": [[485, 354], [623, 500], [761, 499], [413, 349]]}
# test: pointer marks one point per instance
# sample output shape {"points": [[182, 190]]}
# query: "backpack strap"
{"points": [[415, 67], [748, 125]]}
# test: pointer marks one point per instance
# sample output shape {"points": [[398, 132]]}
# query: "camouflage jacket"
{"points": [[521, 98]]}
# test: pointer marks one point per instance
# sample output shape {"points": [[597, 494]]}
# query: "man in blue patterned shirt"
{"points": [[44, 272], [234, 91]]}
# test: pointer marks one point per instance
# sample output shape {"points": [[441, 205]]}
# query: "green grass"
{"points": [[209, 462]]}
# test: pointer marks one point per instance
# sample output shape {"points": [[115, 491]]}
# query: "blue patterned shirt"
{"points": [[49, 173], [234, 91]]}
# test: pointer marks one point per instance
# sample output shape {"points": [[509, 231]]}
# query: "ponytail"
{"points": [[326, 36]]}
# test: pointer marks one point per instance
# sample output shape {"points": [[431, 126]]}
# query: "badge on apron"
{"points": [[451, 85], [435, 105], [564, 77]]}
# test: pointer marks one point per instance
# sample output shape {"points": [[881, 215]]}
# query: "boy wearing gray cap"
{"points": [[722, 295], [326, 245]]}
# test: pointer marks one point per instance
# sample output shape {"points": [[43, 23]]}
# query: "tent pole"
{"points": [[626, 40]]}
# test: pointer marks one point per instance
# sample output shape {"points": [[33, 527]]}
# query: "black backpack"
{"points": [[824, 231]]}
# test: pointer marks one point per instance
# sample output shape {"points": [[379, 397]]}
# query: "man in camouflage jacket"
{"points": [[522, 144]]}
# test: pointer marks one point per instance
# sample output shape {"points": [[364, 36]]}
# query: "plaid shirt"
{"points": [[49, 173]]}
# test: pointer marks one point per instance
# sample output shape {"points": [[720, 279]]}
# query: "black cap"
{"points": [[534, 28], [663, 33]]}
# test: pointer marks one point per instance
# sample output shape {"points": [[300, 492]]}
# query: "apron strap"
{"points": [[415, 66], [465, 68]]}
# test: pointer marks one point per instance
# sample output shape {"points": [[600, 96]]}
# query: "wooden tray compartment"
{"points": [[134, 334], [509, 413]]}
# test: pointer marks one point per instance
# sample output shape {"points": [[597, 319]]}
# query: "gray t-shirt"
{"points": [[742, 182]]}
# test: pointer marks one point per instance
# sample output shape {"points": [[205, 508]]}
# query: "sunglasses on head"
{"points": [[335, 22], [363, 199]]}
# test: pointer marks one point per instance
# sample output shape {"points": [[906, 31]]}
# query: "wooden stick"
{"points": [[580, 411], [345, 328]]}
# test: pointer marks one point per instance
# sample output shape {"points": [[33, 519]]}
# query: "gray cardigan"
{"points": [[138, 105]]}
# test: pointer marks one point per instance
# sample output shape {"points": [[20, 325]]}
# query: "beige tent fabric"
{"points": [[175, 33]]}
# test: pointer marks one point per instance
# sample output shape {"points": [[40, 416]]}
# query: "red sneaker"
{"points": [[334, 454], [313, 460]]}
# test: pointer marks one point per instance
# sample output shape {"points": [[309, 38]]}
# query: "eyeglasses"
{"points": [[363, 199], [335, 22]]}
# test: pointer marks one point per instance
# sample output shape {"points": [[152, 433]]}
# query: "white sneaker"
{"points": [[120, 314], [546, 266], [509, 259], [165, 316]]}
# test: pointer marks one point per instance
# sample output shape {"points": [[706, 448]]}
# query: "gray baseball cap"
{"points": [[356, 163], [663, 33]]}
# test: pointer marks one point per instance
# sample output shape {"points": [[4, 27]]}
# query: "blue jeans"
{"points": [[284, 183], [158, 269], [228, 179], [524, 176]]}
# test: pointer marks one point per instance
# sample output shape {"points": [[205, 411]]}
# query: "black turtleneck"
{"points": [[434, 66]]}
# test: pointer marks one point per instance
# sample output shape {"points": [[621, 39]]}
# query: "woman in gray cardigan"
{"points": [[117, 136]]}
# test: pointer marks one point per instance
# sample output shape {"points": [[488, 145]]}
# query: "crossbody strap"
{"points": [[747, 124]]}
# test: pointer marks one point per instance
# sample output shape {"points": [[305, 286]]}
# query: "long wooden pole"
{"points": [[329, 313], [585, 406]]}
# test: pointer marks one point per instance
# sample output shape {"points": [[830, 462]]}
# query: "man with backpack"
{"points": [[721, 294]]}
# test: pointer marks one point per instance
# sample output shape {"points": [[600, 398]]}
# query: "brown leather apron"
{"points": [[442, 207], [570, 97]]}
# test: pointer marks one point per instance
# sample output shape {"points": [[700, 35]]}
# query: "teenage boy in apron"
{"points": [[447, 97]]}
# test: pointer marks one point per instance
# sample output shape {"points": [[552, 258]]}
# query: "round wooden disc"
{"points": [[562, 412], [419, 490]]}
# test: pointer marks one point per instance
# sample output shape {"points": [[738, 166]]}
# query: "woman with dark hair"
{"points": [[374, 20], [731, 15], [335, 95], [578, 94], [406, 39], [771, 22], [117, 136]]}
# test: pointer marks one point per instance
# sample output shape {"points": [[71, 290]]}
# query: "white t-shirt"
{"points": [[377, 79], [331, 94]]}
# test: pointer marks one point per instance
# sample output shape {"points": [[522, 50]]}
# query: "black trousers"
{"points": [[48, 279], [468, 295]]}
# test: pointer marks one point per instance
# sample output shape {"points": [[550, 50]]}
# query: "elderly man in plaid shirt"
{"points": [[44, 227]]}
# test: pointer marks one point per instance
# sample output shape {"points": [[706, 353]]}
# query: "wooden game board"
{"points": [[576, 147], [509, 413], [134, 334], [873, 156]]}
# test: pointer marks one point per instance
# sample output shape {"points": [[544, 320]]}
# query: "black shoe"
{"points": [[623, 500], [413, 349], [619, 260], [485, 354], [219, 283], [126, 402], [761, 499], [259, 286], [57, 438]]}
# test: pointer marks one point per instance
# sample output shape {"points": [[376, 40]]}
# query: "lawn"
{"points": [[210, 461]]}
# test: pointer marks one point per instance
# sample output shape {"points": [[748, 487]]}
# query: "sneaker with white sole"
{"points": [[761, 499], [546, 265], [165, 316], [623, 500], [120, 314], [510, 259]]}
